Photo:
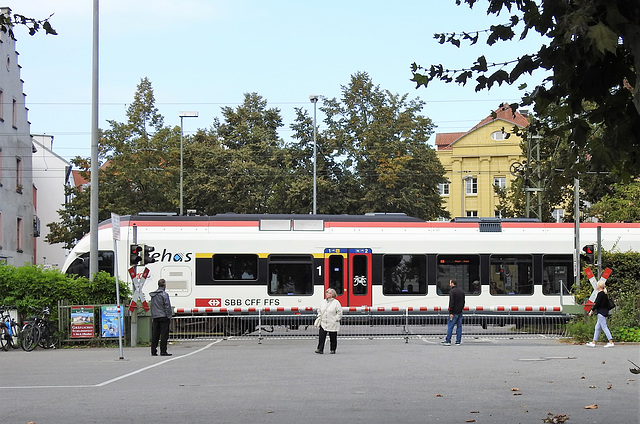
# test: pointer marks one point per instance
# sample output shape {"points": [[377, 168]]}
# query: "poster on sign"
{"points": [[109, 326], [82, 322]]}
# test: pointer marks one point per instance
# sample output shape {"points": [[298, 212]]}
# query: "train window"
{"points": [[80, 266], [464, 268], [405, 274], [511, 274], [336, 273], [290, 275], [235, 267], [557, 273], [360, 283]]}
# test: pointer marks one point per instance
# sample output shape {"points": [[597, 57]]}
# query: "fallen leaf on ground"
{"points": [[474, 412], [471, 421], [609, 387], [594, 406], [515, 389], [560, 418], [592, 387], [437, 395]]}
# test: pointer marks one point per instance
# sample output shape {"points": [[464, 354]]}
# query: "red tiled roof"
{"points": [[444, 140], [78, 179], [504, 112]]}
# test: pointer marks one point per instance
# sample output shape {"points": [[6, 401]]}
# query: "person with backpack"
{"points": [[602, 307]]}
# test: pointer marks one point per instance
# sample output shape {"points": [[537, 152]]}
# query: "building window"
{"points": [[497, 214], [500, 182], [19, 175], [15, 113], [443, 188], [472, 213], [19, 234], [471, 185], [498, 135]]}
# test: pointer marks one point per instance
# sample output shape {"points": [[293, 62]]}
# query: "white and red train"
{"points": [[227, 262]]}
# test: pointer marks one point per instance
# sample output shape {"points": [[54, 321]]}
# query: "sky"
{"points": [[202, 55]]}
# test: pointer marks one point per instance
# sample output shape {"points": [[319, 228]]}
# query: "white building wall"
{"points": [[50, 175], [16, 189]]}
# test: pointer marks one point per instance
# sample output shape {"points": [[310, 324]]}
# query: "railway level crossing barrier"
{"points": [[365, 322]]}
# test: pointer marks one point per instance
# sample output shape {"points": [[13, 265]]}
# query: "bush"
{"points": [[626, 334], [34, 286], [581, 328]]}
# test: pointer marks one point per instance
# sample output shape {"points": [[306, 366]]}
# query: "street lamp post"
{"points": [[314, 99], [183, 115], [464, 189]]}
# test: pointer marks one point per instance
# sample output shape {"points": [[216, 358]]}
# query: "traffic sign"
{"points": [[138, 295], [594, 284]]}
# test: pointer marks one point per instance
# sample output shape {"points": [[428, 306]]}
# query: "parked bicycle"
{"points": [[9, 330], [39, 330]]}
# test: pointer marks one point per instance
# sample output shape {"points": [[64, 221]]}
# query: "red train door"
{"points": [[348, 271]]}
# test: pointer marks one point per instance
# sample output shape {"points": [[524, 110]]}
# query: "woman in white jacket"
{"points": [[330, 312]]}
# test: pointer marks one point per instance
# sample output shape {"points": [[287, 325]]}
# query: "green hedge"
{"points": [[34, 286]]}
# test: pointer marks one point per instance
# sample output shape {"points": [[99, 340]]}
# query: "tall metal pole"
{"points": [[183, 115], [576, 231], [181, 139], [93, 214], [314, 100]]}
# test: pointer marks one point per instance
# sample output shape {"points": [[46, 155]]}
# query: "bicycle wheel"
{"points": [[15, 335], [5, 338], [30, 337], [49, 340]]}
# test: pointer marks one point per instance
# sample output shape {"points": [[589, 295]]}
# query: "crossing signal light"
{"points": [[135, 254], [146, 257], [589, 253]]}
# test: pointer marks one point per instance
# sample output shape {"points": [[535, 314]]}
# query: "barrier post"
{"points": [[260, 326]]}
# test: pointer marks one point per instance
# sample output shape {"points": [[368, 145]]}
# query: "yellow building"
{"points": [[476, 160]]}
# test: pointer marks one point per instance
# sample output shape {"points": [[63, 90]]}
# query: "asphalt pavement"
{"points": [[284, 381]]}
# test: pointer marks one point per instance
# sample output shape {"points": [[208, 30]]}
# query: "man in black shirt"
{"points": [[456, 305]]}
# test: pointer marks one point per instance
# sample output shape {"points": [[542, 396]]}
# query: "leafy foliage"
{"points": [[140, 170], [34, 286], [389, 167], [594, 58], [9, 21], [620, 206]]}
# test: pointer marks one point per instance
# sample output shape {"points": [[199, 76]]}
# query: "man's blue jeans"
{"points": [[457, 322]]}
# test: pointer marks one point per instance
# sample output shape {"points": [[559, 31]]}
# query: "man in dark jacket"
{"points": [[160, 317], [456, 305]]}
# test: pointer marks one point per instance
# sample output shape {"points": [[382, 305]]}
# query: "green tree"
{"points": [[620, 206], [141, 160], [140, 170], [593, 53], [392, 168], [239, 164]]}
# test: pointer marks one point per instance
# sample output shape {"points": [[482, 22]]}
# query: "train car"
{"points": [[381, 261]]}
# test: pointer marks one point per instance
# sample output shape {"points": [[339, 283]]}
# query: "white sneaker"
{"points": [[591, 344], [609, 345]]}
